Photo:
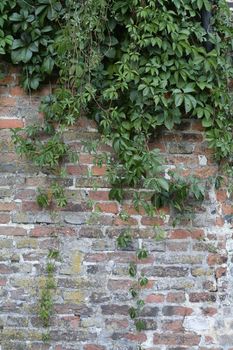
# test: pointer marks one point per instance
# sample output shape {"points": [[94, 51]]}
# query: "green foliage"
{"points": [[46, 307], [55, 193], [179, 192], [132, 66], [46, 299], [27, 33], [124, 240]]}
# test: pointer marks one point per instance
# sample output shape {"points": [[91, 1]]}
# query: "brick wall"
{"points": [[189, 297]]}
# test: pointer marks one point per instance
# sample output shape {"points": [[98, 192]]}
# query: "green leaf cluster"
{"points": [[27, 33]]}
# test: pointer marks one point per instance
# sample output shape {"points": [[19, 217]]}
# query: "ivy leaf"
{"points": [[179, 98]]}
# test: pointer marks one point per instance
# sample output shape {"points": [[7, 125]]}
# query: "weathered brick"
{"points": [[178, 297], [12, 231], [176, 311], [183, 234], [216, 259], [189, 339], [108, 207], [93, 347], [202, 297], [11, 123]]}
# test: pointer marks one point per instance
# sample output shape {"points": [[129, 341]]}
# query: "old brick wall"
{"points": [[189, 301]]}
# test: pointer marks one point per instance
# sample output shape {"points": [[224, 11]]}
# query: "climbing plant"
{"points": [[135, 67]]}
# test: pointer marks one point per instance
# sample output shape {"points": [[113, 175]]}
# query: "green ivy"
{"points": [[27, 33]]}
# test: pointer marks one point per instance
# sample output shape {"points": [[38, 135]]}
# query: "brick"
{"points": [[93, 347], [202, 297], [209, 311], [178, 297], [7, 101], [11, 123], [86, 158], [221, 195], [7, 206], [99, 195], [108, 207], [216, 259], [172, 325], [99, 171], [17, 91], [154, 298], [189, 339], [138, 337], [129, 222], [12, 231], [221, 271], [47, 231], [112, 309], [176, 311], [152, 221], [183, 234], [4, 218], [77, 170], [168, 271]]}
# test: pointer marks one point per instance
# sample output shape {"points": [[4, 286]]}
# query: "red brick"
{"points": [[77, 170], [155, 298], [7, 101], [152, 221], [99, 195], [12, 231], [221, 271], [136, 337], [221, 195], [178, 297], [227, 209], [99, 171], [176, 339], [219, 221], [129, 222], [86, 158], [44, 231], [130, 210], [183, 234], [108, 207], [216, 259], [11, 123], [202, 297], [209, 311], [206, 172], [8, 79], [17, 91]]}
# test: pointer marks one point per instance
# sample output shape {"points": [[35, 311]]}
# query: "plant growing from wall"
{"points": [[46, 299]]}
